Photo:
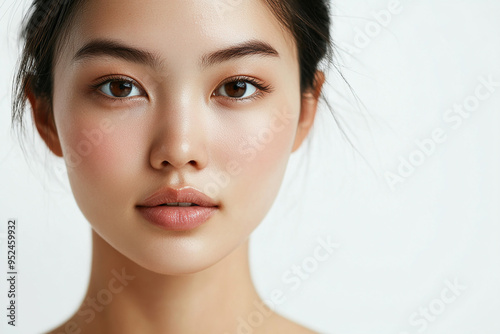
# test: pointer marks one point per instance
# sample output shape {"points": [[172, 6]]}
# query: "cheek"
{"points": [[266, 149], [103, 155], [256, 154]]}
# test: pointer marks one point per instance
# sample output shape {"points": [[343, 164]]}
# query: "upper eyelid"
{"points": [[109, 79], [251, 80]]}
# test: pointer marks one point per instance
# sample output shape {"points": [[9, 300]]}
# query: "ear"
{"points": [[309, 104], [44, 120]]}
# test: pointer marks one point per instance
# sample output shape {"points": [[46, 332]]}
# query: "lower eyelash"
{"points": [[262, 89], [96, 88]]}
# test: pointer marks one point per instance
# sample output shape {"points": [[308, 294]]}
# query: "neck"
{"points": [[123, 297]]}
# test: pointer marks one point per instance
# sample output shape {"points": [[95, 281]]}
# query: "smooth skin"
{"points": [[175, 126]]}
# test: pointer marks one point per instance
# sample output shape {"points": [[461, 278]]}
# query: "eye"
{"points": [[120, 88], [237, 89]]}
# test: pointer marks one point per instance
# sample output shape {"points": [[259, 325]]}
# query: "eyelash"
{"points": [[97, 87], [262, 89]]}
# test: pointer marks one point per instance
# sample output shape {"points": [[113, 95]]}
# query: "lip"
{"points": [[177, 218]]}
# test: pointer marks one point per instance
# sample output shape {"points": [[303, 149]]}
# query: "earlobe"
{"points": [[309, 105], [44, 121]]}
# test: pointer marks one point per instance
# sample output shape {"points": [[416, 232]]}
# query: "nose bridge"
{"points": [[180, 132]]}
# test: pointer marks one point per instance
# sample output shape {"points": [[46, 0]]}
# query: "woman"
{"points": [[176, 120]]}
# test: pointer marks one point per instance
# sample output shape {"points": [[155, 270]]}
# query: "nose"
{"points": [[179, 137]]}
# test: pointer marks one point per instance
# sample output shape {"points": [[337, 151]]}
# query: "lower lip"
{"points": [[177, 218]]}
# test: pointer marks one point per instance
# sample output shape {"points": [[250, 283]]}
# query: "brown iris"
{"points": [[120, 88], [235, 88]]}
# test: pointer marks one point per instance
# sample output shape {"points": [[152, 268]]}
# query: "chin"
{"points": [[169, 252]]}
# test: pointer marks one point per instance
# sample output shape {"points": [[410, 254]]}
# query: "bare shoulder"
{"points": [[66, 327], [280, 324], [57, 330], [72, 325]]}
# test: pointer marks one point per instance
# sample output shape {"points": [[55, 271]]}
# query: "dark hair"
{"points": [[46, 22]]}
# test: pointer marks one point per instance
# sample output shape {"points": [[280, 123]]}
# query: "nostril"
{"points": [[165, 163]]}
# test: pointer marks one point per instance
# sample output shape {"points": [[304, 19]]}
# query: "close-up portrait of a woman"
{"points": [[250, 166]]}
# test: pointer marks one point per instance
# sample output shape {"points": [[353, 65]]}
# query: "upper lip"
{"points": [[185, 194]]}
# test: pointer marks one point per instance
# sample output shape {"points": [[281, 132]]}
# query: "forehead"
{"points": [[180, 30]]}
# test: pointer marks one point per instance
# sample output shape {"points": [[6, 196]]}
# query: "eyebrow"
{"points": [[248, 48], [116, 49], [105, 47]]}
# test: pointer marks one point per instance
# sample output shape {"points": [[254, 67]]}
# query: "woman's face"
{"points": [[176, 115]]}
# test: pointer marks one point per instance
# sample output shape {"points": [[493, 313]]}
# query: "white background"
{"points": [[397, 246]]}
